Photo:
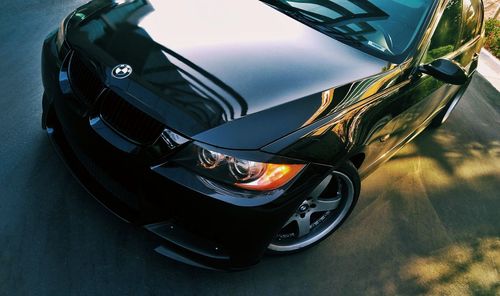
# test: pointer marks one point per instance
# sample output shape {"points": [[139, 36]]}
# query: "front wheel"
{"points": [[326, 208]]}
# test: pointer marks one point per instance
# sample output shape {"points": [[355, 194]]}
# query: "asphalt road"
{"points": [[427, 222]]}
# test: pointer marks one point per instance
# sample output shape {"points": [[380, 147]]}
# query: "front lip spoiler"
{"points": [[177, 243], [186, 248]]}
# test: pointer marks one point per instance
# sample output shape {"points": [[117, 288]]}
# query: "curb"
{"points": [[489, 68], [491, 58]]}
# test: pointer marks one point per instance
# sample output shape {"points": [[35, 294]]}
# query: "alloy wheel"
{"points": [[327, 206]]}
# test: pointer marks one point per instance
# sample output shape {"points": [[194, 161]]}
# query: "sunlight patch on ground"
{"points": [[461, 269], [449, 153]]}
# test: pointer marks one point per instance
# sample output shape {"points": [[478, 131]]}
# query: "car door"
{"points": [[424, 95]]}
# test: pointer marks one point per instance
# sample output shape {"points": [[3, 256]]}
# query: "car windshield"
{"points": [[386, 28]]}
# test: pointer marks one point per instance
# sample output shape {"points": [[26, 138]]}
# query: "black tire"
{"points": [[330, 203], [444, 114]]}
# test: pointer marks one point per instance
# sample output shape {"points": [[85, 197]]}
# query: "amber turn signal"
{"points": [[274, 177]]}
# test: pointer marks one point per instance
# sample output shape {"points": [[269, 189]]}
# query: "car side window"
{"points": [[472, 20], [447, 34]]}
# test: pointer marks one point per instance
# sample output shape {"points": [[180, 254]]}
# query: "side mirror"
{"points": [[446, 71]]}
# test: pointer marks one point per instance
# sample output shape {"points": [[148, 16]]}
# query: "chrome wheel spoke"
{"points": [[320, 188], [304, 224], [326, 205]]}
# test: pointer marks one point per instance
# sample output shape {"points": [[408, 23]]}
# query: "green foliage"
{"points": [[439, 52], [493, 36], [446, 35]]}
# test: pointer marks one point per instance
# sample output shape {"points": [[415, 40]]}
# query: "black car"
{"points": [[235, 128]]}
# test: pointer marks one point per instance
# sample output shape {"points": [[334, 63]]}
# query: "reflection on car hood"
{"points": [[200, 64]]}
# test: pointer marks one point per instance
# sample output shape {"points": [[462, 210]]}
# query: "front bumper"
{"points": [[194, 227]]}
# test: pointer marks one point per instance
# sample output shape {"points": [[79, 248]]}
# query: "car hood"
{"points": [[212, 69]]}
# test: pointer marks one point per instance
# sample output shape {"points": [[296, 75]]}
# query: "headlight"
{"points": [[234, 171], [245, 170], [209, 159]]}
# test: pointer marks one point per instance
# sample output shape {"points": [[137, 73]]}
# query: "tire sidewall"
{"points": [[351, 172]]}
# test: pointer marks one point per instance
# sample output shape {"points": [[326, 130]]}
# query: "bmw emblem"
{"points": [[121, 71]]}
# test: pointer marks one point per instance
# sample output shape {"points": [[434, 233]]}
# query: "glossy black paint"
{"points": [[215, 71], [264, 88]]}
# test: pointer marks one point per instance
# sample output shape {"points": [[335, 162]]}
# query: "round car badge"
{"points": [[121, 71]]}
